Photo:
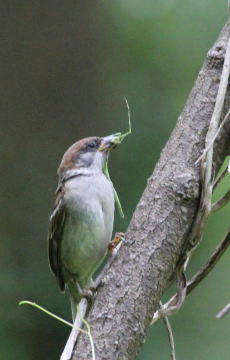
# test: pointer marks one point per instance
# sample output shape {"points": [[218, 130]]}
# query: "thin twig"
{"points": [[207, 160], [221, 177], [176, 302], [219, 204], [26, 302], [197, 278], [170, 335], [214, 138], [223, 312], [90, 338], [212, 261]]}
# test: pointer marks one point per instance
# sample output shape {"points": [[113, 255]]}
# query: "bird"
{"points": [[81, 220]]}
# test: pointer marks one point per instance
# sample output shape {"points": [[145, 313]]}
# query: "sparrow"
{"points": [[81, 220]]}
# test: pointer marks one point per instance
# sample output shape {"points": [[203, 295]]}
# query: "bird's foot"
{"points": [[86, 292], [116, 242]]}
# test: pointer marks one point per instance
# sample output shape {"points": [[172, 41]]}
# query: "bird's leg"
{"points": [[85, 292], [113, 248]]}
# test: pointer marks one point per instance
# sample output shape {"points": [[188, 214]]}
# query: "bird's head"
{"points": [[87, 156]]}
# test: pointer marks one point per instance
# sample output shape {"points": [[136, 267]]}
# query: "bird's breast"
{"points": [[89, 223]]}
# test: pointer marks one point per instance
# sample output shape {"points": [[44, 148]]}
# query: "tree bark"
{"points": [[157, 234]]}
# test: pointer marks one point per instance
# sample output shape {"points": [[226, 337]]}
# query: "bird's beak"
{"points": [[109, 142]]}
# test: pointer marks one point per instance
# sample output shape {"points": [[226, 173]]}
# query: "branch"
{"points": [[170, 336], [172, 305], [213, 260], [205, 206], [221, 202], [223, 312], [160, 225], [221, 176], [207, 156]]}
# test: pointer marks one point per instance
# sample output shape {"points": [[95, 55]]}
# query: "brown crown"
{"points": [[70, 157]]}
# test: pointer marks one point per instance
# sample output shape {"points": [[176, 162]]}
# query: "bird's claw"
{"points": [[85, 292], [116, 241]]}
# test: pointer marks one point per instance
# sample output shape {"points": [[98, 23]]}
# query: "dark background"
{"points": [[65, 67]]}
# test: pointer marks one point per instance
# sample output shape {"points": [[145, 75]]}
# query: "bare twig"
{"points": [[176, 302], [212, 261], [223, 312], [196, 279], [219, 204], [170, 335], [90, 337], [207, 160], [214, 138], [221, 176]]}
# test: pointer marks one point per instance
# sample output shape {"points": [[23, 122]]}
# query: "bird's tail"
{"points": [[75, 298], [69, 347]]}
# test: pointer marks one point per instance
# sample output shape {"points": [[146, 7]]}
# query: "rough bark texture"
{"points": [[158, 230]]}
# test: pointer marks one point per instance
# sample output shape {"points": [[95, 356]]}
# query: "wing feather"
{"points": [[56, 226]]}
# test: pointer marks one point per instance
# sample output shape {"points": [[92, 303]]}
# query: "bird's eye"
{"points": [[91, 145]]}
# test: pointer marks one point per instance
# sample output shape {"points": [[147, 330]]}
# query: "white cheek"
{"points": [[87, 159], [93, 160]]}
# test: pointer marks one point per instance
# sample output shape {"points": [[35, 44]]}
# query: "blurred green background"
{"points": [[65, 67]]}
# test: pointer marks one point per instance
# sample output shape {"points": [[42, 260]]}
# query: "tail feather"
{"points": [[75, 298], [78, 323], [74, 305]]}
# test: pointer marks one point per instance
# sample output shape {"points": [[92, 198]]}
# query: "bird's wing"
{"points": [[56, 226]]}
